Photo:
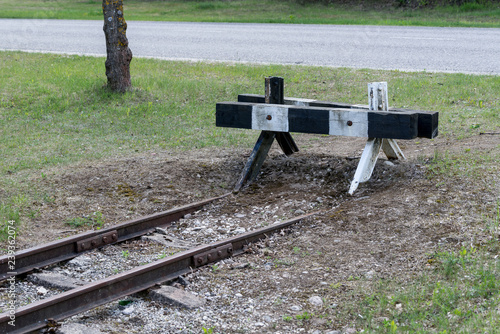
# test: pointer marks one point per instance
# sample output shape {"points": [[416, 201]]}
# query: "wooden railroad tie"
{"points": [[277, 116]]}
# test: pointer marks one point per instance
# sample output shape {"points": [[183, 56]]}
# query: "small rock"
{"points": [[267, 318], [350, 330], [240, 265], [183, 281], [41, 291], [178, 297], [80, 261], [240, 215], [296, 308], [316, 301], [129, 310], [299, 212], [334, 332], [259, 324], [399, 308], [55, 280], [77, 329], [318, 322], [388, 163], [239, 230], [238, 295], [370, 274], [168, 241], [161, 231]]}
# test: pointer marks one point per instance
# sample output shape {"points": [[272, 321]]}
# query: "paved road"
{"points": [[466, 50]]}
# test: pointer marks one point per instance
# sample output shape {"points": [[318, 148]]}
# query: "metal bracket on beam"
{"points": [[213, 255], [97, 241]]}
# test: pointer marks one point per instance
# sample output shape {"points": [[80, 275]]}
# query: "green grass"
{"points": [[261, 11], [461, 295]]}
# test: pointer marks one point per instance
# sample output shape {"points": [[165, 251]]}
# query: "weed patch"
{"points": [[460, 295], [95, 220]]}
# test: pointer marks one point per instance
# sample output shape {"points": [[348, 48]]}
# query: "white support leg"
{"points": [[378, 99], [366, 163]]}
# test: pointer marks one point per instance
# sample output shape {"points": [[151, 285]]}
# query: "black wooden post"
{"points": [[274, 95], [275, 90]]}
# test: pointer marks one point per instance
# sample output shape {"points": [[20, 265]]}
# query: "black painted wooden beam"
{"points": [[321, 120], [427, 120]]}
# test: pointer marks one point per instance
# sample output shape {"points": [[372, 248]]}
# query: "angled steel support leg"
{"points": [[256, 159], [366, 163], [392, 150]]}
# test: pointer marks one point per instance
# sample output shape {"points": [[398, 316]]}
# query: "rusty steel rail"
{"points": [[68, 248], [64, 305]]}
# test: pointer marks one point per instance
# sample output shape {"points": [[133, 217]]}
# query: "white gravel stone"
{"points": [[316, 301]]}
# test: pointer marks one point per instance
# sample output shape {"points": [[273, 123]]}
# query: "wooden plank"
{"points": [[274, 88], [286, 143], [341, 122], [293, 101], [230, 116], [427, 120]]}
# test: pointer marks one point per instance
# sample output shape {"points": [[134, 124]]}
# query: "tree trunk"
{"points": [[118, 52]]}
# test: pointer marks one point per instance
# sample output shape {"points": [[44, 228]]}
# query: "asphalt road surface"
{"points": [[465, 50]]}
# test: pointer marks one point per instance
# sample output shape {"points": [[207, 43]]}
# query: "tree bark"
{"points": [[119, 55]]}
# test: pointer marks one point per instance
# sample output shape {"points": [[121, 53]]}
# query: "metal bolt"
{"points": [[230, 250], [200, 260], [209, 257], [269, 117], [93, 243], [114, 236], [105, 239], [349, 123], [219, 253]]}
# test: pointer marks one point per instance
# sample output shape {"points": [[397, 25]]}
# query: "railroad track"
{"points": [[63, 305]]}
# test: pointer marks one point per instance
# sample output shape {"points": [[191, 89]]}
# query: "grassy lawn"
{"points": [[259, 11]]}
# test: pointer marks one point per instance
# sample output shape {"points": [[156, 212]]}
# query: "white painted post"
{"points": [[377, 96], [377, 100]]}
